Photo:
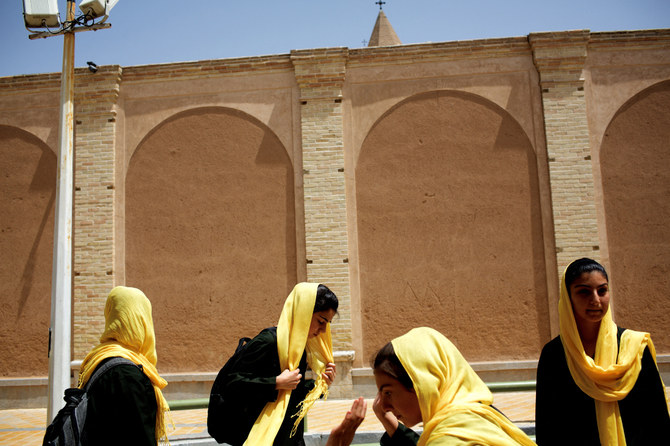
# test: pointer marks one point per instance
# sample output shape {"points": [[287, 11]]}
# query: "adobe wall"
{"points": [[28, 167], [449, 178], [629, 108], [442, 184]]}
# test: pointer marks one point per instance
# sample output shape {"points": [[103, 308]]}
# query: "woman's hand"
{"points": [[288, 380], [343, 434], [388, 420], [329, 373]]}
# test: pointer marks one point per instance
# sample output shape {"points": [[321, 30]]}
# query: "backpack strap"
{"points": [[106, 366]]}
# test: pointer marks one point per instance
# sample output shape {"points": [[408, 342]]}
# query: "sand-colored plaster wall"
{"points": [[28, 185], [449, 228], [210, 233], [614, 75], [505, 76], [502, 73], [261, 87], [635, 161], [517, 186], [31, 103]]}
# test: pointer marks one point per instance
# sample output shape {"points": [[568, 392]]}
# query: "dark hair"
{"points": [[386, 361], [325, 299], [581, 266]]}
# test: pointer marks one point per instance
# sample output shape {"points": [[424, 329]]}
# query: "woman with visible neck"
{"points": [[597, 384]]}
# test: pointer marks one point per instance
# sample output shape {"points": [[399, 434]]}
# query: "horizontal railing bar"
{"points": [[511, 386], [195, 403]]}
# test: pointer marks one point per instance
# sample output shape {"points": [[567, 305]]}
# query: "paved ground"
{"points": [[25, 427]]}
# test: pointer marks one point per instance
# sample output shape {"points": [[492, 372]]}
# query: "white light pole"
{"points": [[42, 15], [61, 279]]}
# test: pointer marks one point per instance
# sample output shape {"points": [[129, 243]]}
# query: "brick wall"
{"points": [[439, 51], [95, 135], [207, 68], [320, 76], [559, 58]]}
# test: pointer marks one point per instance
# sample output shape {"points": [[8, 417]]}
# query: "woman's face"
{"points": [[398, 399], [320, 321], [590, 297]]}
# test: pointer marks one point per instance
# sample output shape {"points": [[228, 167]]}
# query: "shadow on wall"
{"points": [[28, 185], [634, 160], [210, 233], [450, 231]]}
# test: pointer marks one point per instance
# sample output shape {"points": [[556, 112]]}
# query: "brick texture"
{"points": [[559, 58], [95, 135], [320, 76]]}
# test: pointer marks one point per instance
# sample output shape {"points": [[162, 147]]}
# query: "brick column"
{"points": [[320, 76], [559, 58], [95, 134]]}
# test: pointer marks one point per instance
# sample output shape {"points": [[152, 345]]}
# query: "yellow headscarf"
{"points": [[129, 333], [454, 401], [292, 341], [603, 378]]}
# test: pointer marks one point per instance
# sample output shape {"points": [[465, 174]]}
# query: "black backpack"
{"points": [[67, 427], [229, 417]]}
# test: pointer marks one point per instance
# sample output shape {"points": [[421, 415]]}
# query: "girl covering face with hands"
{"points": [[422, 377]]}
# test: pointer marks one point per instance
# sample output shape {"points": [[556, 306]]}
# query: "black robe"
{"points": [[403, 436], [254, 382], [121, 408], [566, 415]]}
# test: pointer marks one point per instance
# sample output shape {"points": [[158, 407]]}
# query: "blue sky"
{"points": [[150, 31]]}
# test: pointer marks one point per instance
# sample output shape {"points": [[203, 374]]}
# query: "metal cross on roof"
{"points": [[380, 3]]}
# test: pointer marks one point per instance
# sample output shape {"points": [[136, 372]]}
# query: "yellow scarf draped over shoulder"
{"points": [[129, 333], [604, 378], [292, 341], [455, 403]]}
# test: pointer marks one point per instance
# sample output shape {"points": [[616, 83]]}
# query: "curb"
{"points": [[320, 438]]}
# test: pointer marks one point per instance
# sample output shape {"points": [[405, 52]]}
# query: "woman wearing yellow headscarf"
{"points": [[597, 384], [422, 377], [270, 375], [125, 404]]}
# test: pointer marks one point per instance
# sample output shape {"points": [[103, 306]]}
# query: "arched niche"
{"points": [[210, 232], [449, 228], [28, 184], [635, 170]]}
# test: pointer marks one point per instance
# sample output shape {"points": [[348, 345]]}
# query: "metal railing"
{"points": [[195, 403], [510, 386]]}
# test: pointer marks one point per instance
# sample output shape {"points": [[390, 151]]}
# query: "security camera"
{"points": [[92, 67], [41, 13], [96, 8]]}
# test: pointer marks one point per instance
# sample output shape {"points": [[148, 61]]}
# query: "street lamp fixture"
{"points": [[97, 8], [43, 14], [40, 14]]}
